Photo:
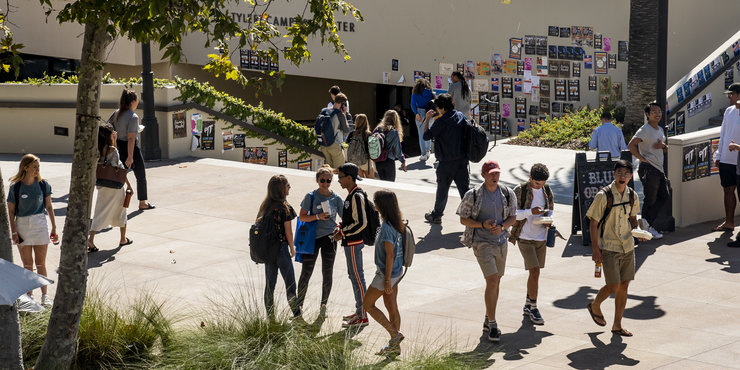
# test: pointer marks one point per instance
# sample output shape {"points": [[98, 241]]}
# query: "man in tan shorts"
{"points": [[612, 243], [534, 200], [487, 213]]}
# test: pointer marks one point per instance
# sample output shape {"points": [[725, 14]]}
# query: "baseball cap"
{"points": [[350, 169], [734, 88], [491, 166]]}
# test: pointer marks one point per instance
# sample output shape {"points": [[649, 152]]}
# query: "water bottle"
{"points": [[597, 270]]}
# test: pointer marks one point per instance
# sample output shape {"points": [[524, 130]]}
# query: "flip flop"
{"points": [[622, 332], [723, 228], [92, 248], [128, 241], [148, 207], [595, 316]]}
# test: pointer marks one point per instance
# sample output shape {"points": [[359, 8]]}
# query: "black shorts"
{"points": [[727, 174]]}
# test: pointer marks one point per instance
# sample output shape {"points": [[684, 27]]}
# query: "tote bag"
{"points": [[305, 236]]}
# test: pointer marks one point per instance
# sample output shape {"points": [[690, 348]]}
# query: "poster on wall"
{"points": [[564, 31], [480, 84], [553, 68], [703, 155], [600, 62], [607, 44], [617, 91], [553, 31], [437, 82], [510, 66], [495, 84], [545, 89], [469, 70], [179, 128], [446, 69], [555, 108], [520, 68], [564, 69], [515, 48], [530, 45], [576, 69], [483, 68], [497, 64], [552, 52], [239, 140], [592, 83], [670, 127], [208, 138], [507, 88], [729, 78], [713, 168], [588, 61], [597, 41], [196, 123], [560, 91], [257, 155], [505, 110], [527, 64], [689, 163], [679, 94], [605, 85], [567, 108], [622, 51], [544, 106], [574, 90], [541, 45], [244, 58], [534, 110], [283, 158], [612, 61], [542, 66], [520, 107], [517, 85], [680, 123], [305, 165], [228, 140]]}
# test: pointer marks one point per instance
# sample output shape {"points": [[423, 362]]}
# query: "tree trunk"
{"points": [[11, 352], [642, 76], [61, 336]]}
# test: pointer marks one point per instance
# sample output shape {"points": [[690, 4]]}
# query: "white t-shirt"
{"points": [[650, 136], [530, 230], [730, 131]]}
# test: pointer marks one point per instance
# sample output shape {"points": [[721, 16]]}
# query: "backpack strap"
{"points": [[607, 209], [524, 186], [311, 210], [42, 184], [17, 193]]}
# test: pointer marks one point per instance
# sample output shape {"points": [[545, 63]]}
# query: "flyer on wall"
{"points": [[483, 68], [612, 61], [469, 70], [208, 137], [305, 165], [542, 66], [505, 110], [179, 130], [564, 69], [517, 84], [576, 36], [689, 163], [592, 83], [228, 140], [494, 84], [680, 123], [507, 88], [553, 68], [527, 64], [679, 94], [437, 82], [670, 127], [702, 159], [607, 44], [545, 88], [601, 63], [515, 48], [510, 66], [574, 90], [534, 110], [497, 64], [560, 91], [520, 68], [617, 91], [553, 31], [576, 69], [605, 85], [713, 169], [622, 51], [564, 31], [256, 155], [530, 45], [544, 106], [196, 123], [521, 107], [535, 94], [239, 140], [446, 69], [552, 52], [283, 158], [587, 61], [597, 41], [541, 45]]}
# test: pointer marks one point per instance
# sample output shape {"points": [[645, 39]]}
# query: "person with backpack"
{"points": [[487, 211], [612, 216], [357, 150], [29, 195], [331, 127], [355, 230], [448, 133], [321, 206], [460, 92], [422, 99], [534, 200], [392, 135], [275, 208], [389, 261]]}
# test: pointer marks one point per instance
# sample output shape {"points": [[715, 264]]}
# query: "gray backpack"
{"points": [[409, 247]]}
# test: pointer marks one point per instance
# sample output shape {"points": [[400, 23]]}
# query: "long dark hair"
{"points": [[104, 137], [387, 205], [465, 88], [127, 97], [275, 195], [421, 85]]}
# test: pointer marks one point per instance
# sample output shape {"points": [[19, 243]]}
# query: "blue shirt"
{"points": [[32, 199], [388, 234], [336, 204], [608, 138], [421, 100]]}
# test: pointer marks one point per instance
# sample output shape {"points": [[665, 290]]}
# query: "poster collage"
{"points": [[251, 59], [539, 76], [697, 160], [204, 135]]}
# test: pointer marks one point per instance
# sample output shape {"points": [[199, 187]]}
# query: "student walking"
{"points": [[534, 200], [321, 206], [612, 243], [391, 128], [109, 209], [351, 231], [357, 150], [389, 263], [422, 99], [276, 206], [29, 195]]}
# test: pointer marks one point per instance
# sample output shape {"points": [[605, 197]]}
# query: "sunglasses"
{"points": [[325, 181]]}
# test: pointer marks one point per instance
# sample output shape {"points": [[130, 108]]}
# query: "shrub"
{"points": [[572, 131]]}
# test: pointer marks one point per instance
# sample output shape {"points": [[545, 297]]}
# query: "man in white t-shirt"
{"points": [[648, 145], [725, 159]]}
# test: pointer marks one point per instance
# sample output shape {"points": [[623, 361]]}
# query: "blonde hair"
{"points": [[25, 162], [362, 126], [324, 170], [391, 120]]}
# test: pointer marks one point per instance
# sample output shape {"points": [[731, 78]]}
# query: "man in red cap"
{"points": [[487, 212]]}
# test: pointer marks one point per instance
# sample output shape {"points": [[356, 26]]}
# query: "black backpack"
{"points": [[476, 142], [373, 222], [610, 204], [264, 240]]}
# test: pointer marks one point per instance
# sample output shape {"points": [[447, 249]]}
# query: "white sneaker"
{"points": [[644, 224], [27, 304], [424, 157], [656, 234], [46, 301]]}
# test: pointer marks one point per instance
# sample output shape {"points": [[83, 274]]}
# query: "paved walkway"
{"points": [[193, 249]]}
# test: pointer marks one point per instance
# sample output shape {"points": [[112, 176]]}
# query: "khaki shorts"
{"points": [[491, 257], [533, 252], [333, 154], [618, 267]]}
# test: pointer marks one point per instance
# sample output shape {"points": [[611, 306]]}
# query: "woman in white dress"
{"points": [[109, 209]]}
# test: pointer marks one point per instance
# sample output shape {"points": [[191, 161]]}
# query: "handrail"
{"points": [[695, 93]]}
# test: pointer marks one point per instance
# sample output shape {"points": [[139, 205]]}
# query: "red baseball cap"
{"points": [[491, 166]]}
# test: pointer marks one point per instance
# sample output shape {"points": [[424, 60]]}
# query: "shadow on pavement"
{"points": [[434, 240], [101, 257], [603, 355], [647, 309]]}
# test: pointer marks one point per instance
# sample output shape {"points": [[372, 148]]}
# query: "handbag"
{"points": [[109, 176], [305, 236]]}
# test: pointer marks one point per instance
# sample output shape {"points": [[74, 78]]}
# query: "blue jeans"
{"points": [[284, 264], [356, 275], [424, 145]]}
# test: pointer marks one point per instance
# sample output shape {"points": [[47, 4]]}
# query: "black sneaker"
{"points": [[485, 324], [526, 310], [734, 244], [534, 315], [494, 335], [432, 218]]}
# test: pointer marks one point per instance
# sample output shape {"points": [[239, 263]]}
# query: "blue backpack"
{"points": [[324, 129]]}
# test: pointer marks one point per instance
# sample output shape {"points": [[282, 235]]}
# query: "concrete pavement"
{"points": [[193, 250]]}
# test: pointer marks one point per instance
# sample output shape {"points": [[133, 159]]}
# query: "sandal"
{"points": [[596, 317], [622, 332], [148, 207], [92, 248], [128, 241], [723, 228]]}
